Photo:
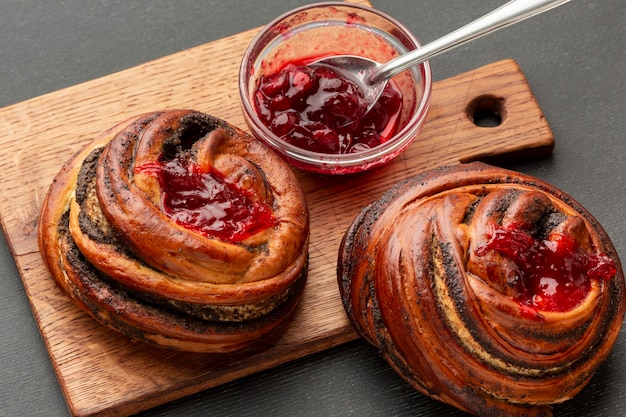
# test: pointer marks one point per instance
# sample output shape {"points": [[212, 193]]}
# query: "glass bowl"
{"points": [[325, 29]]}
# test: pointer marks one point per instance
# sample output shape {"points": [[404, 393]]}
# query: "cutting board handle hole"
{"points": [[486, 111]]}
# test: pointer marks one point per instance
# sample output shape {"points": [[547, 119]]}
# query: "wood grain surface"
{"points": [[104, 373]]}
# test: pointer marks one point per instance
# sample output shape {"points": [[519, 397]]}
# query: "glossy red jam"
{"points": [[318, 109], [206, 202], [556, 273]]}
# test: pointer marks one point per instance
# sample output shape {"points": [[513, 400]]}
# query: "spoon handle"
{"points": [[512, 12]]}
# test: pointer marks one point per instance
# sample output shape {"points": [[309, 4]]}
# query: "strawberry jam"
{"points": [[320, 110], [206, 202], [557, 273]]}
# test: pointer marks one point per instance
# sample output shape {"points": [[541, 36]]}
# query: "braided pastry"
{"points": [[484, 288], [180, 230]]}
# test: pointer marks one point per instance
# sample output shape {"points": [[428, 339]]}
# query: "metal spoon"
{"points": [[373, 76]]}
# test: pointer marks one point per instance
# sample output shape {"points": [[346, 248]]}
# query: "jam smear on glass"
{"points": [[320, 110], [206, 202], [556, 273]]}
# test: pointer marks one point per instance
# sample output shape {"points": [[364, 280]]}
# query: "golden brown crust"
{"points": [[449, 321], [110, 247]]}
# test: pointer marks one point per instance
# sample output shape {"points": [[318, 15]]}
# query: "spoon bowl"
{"points": [[358, 69], [372, 76]]}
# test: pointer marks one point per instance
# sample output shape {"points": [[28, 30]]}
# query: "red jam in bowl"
{"points": [[206, 202], [320, 110], [556, 274]]}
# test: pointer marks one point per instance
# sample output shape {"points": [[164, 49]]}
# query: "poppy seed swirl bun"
{"points": [[484, 288], [222, 268]]}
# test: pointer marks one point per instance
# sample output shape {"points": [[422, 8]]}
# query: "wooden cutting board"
{"points": [[103, 373]]}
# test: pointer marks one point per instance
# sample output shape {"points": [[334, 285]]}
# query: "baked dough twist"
{"points": [[451, 275], [180, 230]]}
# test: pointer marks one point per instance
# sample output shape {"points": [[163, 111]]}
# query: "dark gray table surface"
{"points": [[573, 58]]}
